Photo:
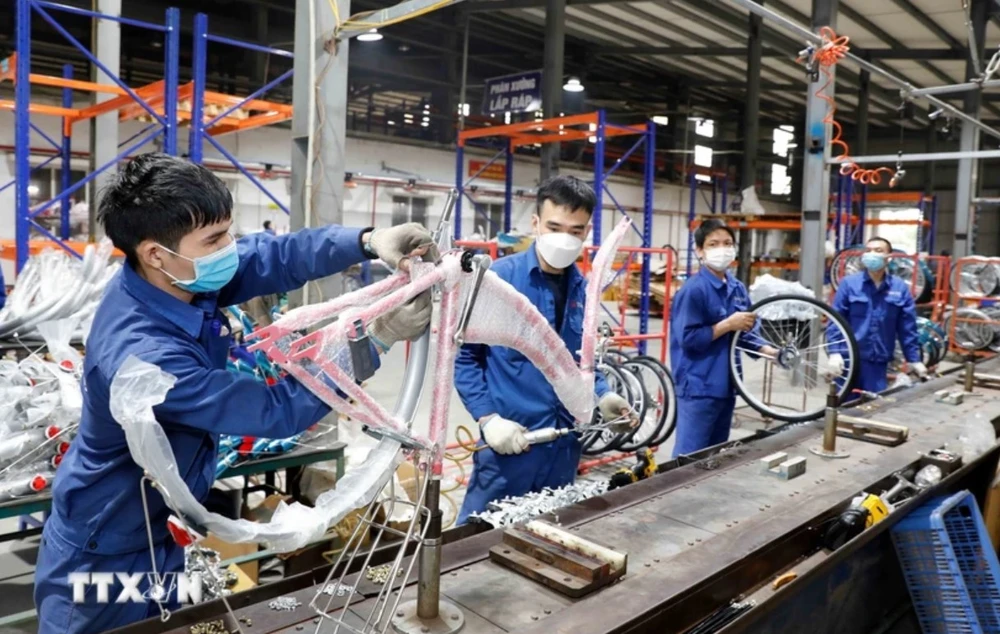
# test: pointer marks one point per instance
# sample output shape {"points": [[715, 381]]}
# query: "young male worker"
{"points": [[172, 219], [708, 311], [502, 390], [880, 310]]}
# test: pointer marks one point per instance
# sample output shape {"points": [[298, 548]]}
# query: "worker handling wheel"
{"points": [[502, 390], [708, 311], [173, 221], [879, 308]]}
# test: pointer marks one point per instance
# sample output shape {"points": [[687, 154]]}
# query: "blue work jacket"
{"points": [[700, 364], [96, 502], [499, 380], [878, 316]]}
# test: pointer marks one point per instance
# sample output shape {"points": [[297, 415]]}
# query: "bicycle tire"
{"points": [[598, 442], [639, 402], [669, 398], [648, 431], [784, 415]]}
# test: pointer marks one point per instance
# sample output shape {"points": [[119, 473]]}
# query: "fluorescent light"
{"points": [[506, 117], [573, 85], [33, 190], [592, 139], [391, 122], [424, 124], [370, 36], [463, 109], [593, 127], [426, 119], [661, 119]]}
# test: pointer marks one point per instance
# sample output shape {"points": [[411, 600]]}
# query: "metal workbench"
{"points": [[699, 535]]}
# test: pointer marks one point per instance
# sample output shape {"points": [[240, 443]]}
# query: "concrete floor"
{"points": [[17, 557]]}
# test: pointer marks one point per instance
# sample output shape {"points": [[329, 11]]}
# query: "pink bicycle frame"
{"points": [[500, 316]]}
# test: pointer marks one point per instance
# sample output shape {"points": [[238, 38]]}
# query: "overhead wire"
{"points": [[833, 49]]}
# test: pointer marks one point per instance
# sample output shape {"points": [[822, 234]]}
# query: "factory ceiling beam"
{"points": [[929, 24], [736, 51]]}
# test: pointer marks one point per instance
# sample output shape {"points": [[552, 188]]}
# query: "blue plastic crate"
{"points": [[950, 567]]}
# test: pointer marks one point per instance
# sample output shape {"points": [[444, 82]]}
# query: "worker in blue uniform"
{"points": [[879, 308], [173, 219], [707, 312], [499, 386]]}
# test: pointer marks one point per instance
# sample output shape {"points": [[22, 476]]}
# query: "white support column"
{"points": [[104, 129], [322, 112], [815, 171]]}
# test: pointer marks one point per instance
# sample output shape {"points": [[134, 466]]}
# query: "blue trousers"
{"points": [[494, 476], [702, 422], [57, 611], [871, 377]]}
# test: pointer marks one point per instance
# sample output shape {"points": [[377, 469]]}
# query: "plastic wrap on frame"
{"points": [[769, 286], [139, 386], [600, 276]]}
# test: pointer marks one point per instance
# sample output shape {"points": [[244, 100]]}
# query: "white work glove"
{"points": [[394, 244], [835, 365], [504, 436], [614, 406], [407, 322], [919, 369]]}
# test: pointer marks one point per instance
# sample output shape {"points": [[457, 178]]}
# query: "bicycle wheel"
{"points": [[852, 255], [599, 440], [975, 279], [652, 420], [665, 397], [639, 403], [792, 386]]}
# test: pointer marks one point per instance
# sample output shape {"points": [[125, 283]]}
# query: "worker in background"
{"points": [[502, 390], [880, 310], [707, 312], [173, 220], [79, 219], [267, 227]]}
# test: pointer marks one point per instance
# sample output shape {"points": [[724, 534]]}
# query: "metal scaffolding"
{"points": [[157, 101], [237, 114], [591, 126]]}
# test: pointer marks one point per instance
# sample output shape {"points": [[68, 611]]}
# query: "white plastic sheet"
{"points": [[769, 286], [139, 386]]}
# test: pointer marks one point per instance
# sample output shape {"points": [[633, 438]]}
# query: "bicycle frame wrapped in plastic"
{"points": [[322, 361]]}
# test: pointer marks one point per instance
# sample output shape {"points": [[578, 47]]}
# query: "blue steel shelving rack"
{"points": [[200, 128], [165, 122], [563, 129]]}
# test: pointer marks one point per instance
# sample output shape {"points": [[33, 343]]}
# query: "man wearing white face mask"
{"points": [[706, 314], [880, 309], [502, 390]]}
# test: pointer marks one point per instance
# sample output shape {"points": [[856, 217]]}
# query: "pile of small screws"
{"points": [[210, 627], [338, 589], [514, 510], [216, 581], [380, 574], [284, 604]]}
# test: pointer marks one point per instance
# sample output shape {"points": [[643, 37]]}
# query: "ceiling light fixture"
{"points": [[370, 36], [661, 119], [573, 85]]}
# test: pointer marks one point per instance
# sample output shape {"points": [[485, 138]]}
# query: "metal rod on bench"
{"points": [[829, 448]]}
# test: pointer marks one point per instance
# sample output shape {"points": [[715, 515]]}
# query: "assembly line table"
{"points": [[291, 463]]}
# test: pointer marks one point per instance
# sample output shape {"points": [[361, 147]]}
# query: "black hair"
{"points": [[267, 224], [878, 239], [567, 191], [162, 198], [707, 228]]}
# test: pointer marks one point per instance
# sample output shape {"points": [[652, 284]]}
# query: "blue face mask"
{"points": [[873, 261], [211, 272]]}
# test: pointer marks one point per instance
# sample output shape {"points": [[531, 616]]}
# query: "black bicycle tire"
{"points": [[594, 438], [671, 424], [632, 444], [848, 381]]}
